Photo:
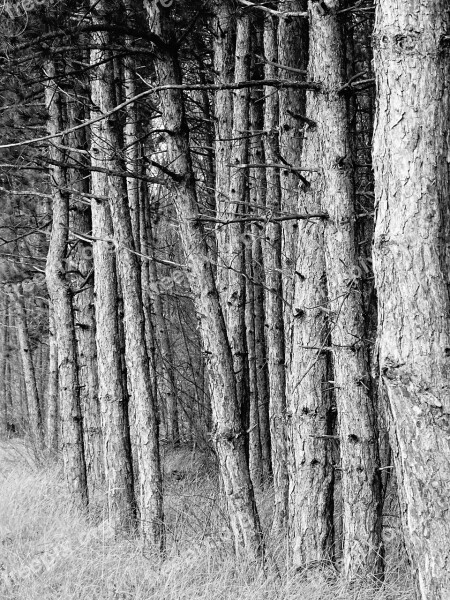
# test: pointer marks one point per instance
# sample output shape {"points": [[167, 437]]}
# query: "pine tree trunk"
{"points": [[292, 53], [83, 305], [137, 363], [59, 290], [237, 195], [52, 389], [112, 396], [308, 388], [228, 433], [254, 442], [361, 483], [411, 263], [29, 373], [274, 297], [224, 26]]}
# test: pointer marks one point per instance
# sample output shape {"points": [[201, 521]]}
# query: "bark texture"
{"points": [[274, 292], [137, 363], [361, 483], [411, 263], [59, 290], [112, 396]]}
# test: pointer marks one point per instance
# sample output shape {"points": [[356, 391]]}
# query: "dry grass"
{"points": [[49, 551]]}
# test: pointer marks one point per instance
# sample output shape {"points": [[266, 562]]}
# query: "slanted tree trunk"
{"points": [[411, 264], [228, 433], [361, 482], [29, 373], [136, 355], [274, 297], [112, 396], [59, 290]]}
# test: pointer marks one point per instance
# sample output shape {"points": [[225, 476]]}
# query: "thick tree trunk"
{"points": [[361, 489], [59, 290], [228, 433], [112, 396], [274, 297], [411, 263], [29, 373], [144, 409]]}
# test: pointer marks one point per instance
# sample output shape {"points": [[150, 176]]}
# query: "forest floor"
{"points": [[49, 551]]}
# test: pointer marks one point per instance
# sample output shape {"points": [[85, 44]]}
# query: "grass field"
{"points": [[50, 551]]}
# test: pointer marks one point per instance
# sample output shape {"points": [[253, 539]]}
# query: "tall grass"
{"points": [[50, 551]]}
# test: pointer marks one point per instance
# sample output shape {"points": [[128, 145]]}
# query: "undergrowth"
{"points": [[50, 551]]}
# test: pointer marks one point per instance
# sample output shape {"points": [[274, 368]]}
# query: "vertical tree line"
{"points": [[197, 248]]}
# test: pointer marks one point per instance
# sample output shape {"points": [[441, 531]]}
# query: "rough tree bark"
{"points": [[292, 41], [237, 195], [59, 291], [224, 26], [112, 398], [361, 482], [228, 434], [136, 355], [274, 291], [411, 263], [83, 302], [308, 387]]}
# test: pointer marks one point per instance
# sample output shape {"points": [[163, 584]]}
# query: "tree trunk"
{"points": [[228, 433], [237, 195], [274, 291], [83, 304], [292, 53], [411, 263], [224, 26], [29, 373], [112, 396], [144, 409], [308, 389], [59, 290], [53, 411], [361, 489], [254, 442]]}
